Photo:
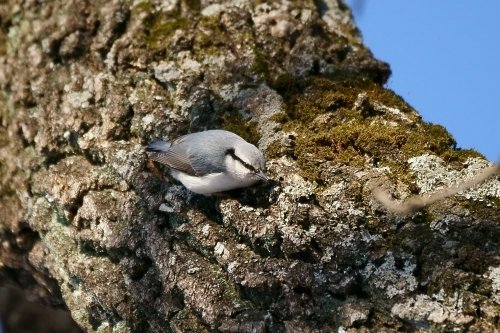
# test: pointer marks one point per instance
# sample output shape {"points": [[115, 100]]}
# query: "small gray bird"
{"points": [[211, 161]]}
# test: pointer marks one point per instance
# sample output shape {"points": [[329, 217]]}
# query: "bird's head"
{"points": [[245, 161]]}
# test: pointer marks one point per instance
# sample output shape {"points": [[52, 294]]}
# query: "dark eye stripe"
{"points": [[233, 155]]}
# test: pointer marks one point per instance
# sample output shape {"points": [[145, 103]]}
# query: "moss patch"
{"points": [[159, 28], [260, 64], [330, 126], [210, 37], [3, 43], [160, 31], [235, 123], [193, 5]]}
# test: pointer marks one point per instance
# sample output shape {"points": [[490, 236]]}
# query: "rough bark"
{"points": [[87, 224]]}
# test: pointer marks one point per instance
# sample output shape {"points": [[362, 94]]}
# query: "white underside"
{"points": [[212, 183]]}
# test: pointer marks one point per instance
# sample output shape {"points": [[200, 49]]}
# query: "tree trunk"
{"points": [[88, 224]]}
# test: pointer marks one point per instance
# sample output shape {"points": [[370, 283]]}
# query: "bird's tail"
{"points": [[158, 146]]}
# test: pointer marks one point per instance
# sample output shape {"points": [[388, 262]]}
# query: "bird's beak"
{"points": [[262, 176]]}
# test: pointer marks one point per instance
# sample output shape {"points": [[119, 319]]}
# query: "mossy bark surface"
{"points": [[88, 224]]}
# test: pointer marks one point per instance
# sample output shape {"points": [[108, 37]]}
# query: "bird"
{"points": [[211, 161]]}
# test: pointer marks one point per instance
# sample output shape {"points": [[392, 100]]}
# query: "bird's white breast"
{"points": [[212, 183]]}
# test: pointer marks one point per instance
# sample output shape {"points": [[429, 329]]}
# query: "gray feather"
{"points": [[206, 150], [171, 155], [158, 146], [201, 153]]}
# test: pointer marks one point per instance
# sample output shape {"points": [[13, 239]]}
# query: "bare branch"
{"points": [[415, 203]]}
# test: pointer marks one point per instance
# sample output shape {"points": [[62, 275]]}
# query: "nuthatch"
{"points": [[211, 161]]}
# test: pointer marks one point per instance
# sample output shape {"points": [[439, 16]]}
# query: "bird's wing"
{"points": [[174, 155], [207, 152], [204, 154]]}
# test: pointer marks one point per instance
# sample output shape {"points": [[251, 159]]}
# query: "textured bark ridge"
{"points": [[88, 224]]}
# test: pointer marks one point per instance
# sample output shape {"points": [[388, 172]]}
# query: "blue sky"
{"points": [[445, 61]]}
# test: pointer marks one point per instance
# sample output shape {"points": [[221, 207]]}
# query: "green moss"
{"points": [[5, 23], [210, 37], [186, 321], [141, 6], [280, 117], [3, 43], [458, 156], [260, 64], [330, 127], [193, 5], [157, 27], [496, 202], [274, 150], [235, 123], [161, 31]]}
